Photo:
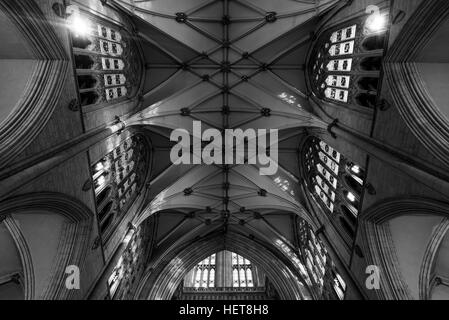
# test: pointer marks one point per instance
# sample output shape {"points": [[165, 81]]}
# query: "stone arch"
{"points": [[404, 260], [27, 218], [164, 276], [434, 265], [28, 110], [417, 70]]}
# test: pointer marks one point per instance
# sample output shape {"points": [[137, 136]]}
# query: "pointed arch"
{"points": [[416, 69], [378, 243], [42, 88], [69, 247], [165, 275]]}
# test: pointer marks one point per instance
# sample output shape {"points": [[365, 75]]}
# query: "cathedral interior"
{"points": [[93, 207]]}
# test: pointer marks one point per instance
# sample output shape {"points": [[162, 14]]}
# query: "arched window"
{"points": [[83, 62], [371, 64], [242, 272], [103, 195], [83, 43], [369, 84], [106, 223], [88, 98], [345, 56], [336, 183], [105, 211], [350, 214], [107, 62], [339, 285], [86, 82], [319, 264], [353, 184], [347, 227], [323, 166], [374, 42], [203, 275], [234, 270], [130, 265], [235, 278], [118, 177]]}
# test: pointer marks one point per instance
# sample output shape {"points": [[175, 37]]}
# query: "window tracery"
{"points": [[347, 64], [242, 276], [336, 182], [118, 177], [204, 273], [129, 266], [107, 63], [319, 265], [232, 266]]}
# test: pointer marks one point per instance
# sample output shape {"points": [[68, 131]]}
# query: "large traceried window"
{"points": [[336, 182], [107, 62], [235, 272], [333, 65], [319, 265], [118, 177], [204, 273], [242, 276], [129, 266], [347, 63]]}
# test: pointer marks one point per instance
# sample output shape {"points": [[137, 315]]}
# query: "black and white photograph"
{"points": [[227, 156]]}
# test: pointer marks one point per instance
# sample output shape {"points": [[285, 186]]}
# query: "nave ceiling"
{"points": [[100, 159], [229, 64]]}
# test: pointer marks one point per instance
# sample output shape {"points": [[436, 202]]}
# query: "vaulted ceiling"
{"points": [[229, 64]]}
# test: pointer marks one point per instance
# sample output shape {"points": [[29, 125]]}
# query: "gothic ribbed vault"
{"points": [[229, 64]]}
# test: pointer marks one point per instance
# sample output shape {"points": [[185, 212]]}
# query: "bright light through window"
{"points": [[351, 197], [376, 22], [203, 274], [79, 26], [99, 166], [101, 180], [356, 169]]}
